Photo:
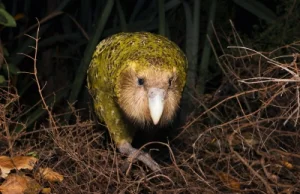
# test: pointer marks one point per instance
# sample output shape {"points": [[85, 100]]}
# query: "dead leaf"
{"points": [[19, 16], [6, 166], [247, 138], [287, 164], [24, 162], [46, 190], [19, 162], [229, 181], [20, 184], [50, 175]]}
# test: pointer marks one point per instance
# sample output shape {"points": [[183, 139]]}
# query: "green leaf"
{"points": [[2, 79], [33, 154], [6, 19]]}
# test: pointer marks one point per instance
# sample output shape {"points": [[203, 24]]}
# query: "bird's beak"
{"points": [[156, 99]]}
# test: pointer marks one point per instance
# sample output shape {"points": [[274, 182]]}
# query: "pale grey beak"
{"points": [[156, 99]]}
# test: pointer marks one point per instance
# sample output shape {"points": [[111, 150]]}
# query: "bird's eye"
{"points": [[170, 81], [141, 81]]}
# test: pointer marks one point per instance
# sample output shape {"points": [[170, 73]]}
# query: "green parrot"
{"points": [[136, 81]]}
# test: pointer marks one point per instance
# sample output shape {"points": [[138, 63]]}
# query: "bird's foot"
{"points": [[132, 153]]}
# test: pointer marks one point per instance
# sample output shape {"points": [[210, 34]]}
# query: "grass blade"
{"points": [[258, 9], [81, 71]]}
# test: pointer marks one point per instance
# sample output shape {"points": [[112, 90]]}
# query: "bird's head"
{"points": [[150, 94]]}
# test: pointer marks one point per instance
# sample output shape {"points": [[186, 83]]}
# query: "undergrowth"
{"points": [[246, 140]]}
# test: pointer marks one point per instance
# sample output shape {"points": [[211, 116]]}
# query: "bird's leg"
{"points": [[132, 153]]}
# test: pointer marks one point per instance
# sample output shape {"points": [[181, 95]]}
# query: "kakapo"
{"points": [[136, 80]]}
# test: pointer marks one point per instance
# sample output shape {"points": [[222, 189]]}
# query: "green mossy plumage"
{"points": [[112, 56]]}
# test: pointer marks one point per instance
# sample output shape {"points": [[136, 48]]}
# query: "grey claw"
{"points": [[133, 153]]}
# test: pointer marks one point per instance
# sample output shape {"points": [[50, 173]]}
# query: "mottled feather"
{"points": [[123, 69]]}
